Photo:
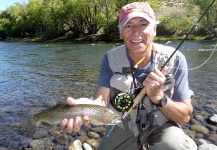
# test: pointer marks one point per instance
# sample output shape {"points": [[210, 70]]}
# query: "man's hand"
{"points": [[154, 83]]}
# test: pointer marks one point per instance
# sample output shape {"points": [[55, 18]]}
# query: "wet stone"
{"points": [[194, 121], [98, 129], [37, 144], [211, 127], [82, 138], [3, 148], [93, 135], [55, 131], [40, 134], [82, 133], [212, 119], [62, 139], [207, 147], [74, 134], [190, 133], [199, 117], [93, 143], [199, 135], [199, 129], [87, 147], [212, 137], [210, 109], [76, 145]]}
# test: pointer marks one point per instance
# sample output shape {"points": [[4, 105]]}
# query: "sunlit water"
{"points": [[34, 76]]}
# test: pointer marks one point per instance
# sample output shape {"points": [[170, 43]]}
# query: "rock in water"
{"points": [[207, 147], [87, 146], [199, 129], [212, 119]]}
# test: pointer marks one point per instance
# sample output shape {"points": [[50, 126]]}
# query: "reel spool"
{"points": [[122, 102]]}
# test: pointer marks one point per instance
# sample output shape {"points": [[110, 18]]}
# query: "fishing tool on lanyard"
{"points": [[123, 101], [139, 97]]}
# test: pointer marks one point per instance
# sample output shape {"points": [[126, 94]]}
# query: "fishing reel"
{"points": [[122, 102]]}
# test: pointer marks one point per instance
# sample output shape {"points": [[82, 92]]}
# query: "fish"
{"points": [[98, 115]]}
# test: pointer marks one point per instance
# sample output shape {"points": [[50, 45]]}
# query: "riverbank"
{"points": [[98, 38]]}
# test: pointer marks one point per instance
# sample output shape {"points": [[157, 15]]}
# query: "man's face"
{"points": [[138, 35]]}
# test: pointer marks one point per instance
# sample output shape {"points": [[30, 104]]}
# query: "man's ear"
{"points": [[120, 34], [155, 31]]}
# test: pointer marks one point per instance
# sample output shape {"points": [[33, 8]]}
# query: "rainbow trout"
{"points": [[99, 115]]}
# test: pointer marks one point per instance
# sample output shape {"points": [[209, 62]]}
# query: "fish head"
{"points": [[110, 118]]}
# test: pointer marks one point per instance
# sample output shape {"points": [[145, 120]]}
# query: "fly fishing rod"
{"points": [[196, 24], [138, 98]]}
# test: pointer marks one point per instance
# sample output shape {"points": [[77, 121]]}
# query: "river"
{"points": [[34, 76]]}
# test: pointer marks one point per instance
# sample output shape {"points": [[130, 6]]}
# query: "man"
{"points": [[124, 71]]}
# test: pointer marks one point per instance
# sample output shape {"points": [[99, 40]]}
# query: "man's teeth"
{"points": [[137, 41]]}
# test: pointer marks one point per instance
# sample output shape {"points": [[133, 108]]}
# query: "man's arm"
{"points": [[178, 112], [102, 94]]}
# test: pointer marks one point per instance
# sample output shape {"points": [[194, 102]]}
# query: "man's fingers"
{"points": [[86, 120], [77, 124], [70, 125], [70, 101], [63, 123]]}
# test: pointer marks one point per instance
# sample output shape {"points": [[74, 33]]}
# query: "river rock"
{"points": [[199, 135], [76, 145], [37, 144], [62, 139], [199, 117], [87, 147], [55, 131], [211, 127], [82, 138], [190, 133], [199, 129], [93, 135], [207, 147], [194, 121], [82, 133], [98, 129], [212, 119], [3, 148], [212, 137], [93, 143], [40, 134]]}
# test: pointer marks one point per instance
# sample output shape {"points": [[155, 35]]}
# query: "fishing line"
{"points": [[190, 69], [196, 24]]}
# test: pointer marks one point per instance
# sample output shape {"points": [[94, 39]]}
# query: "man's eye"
{"points": [[128, 26], [144, 24]]}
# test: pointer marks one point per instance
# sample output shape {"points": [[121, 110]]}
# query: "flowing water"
{"points": [[34, 76]]}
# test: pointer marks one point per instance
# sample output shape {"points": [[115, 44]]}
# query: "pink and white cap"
{"points": [[136, 9]]}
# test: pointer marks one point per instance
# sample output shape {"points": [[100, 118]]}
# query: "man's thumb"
{"points": [[164, 69]]}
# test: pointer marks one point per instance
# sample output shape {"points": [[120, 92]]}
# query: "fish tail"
{"points": [[29, 124]]}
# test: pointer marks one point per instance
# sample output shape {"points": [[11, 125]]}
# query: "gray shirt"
{"points": [[181, 88]]}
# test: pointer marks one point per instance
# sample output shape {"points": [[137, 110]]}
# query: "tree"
{"points": [[209, 22]]}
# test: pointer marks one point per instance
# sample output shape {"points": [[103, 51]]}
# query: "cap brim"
{"points": [[137, 14]]}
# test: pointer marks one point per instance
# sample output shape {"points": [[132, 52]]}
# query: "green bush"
{"points": [[174, 24]]}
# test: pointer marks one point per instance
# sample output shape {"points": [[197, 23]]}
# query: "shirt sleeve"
{"points": [[105, 72], [181, 88]]}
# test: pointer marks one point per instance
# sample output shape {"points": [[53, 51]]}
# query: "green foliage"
{"points": [[77, 18], [174, 24], [209, 23]]}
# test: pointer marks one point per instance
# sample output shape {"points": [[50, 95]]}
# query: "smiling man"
{"points": [[125, 70]]}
